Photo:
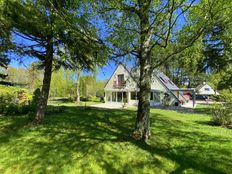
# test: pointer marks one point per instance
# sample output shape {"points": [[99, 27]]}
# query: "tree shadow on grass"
{"points": [[197, 110], [12, 127], [79, 134], [206, 111]]}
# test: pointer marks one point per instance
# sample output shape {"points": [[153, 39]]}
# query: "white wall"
{"points": [[203, 90], [130, 84]]}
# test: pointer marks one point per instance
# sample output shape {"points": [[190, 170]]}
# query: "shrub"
{"points": [[10, 109], [16, 109], [166, 99], [223, 97], [22, 97], [88, 98], [222, 114], [100, 93], [13, 100], [35, 100], [94, 99]]}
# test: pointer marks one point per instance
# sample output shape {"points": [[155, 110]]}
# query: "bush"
{"points": [[88, 98], [166, 99], [100, 93], [16, 109], [94, 99], [222, 114], [35, 100], [13, 100], [223, 97]]}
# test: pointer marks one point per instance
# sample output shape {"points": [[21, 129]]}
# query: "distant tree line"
{"points": [[63, 82]]}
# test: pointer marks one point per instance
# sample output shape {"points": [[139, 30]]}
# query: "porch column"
{"points": [[128, 97], [116, 96], [111, 96]]}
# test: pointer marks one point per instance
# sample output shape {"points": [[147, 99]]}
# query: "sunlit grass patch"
{"points": [[91, 140]]}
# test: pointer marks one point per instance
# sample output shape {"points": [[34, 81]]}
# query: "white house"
{"points": [[205, 90], [122, 88]]}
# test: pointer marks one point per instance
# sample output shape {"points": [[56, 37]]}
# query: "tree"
{"points": [[17, 75], [58, 33], [147, 30], [5, 43], [226, 80], [34, 76], [66, 85], [209, 59], [78, 86], [87, 86]]}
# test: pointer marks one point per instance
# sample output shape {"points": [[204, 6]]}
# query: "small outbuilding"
{"points": [[205, 90]]}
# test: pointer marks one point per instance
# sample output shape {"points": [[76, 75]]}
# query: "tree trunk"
{"points": [[78, 86], [142, 125], [43, 99]]}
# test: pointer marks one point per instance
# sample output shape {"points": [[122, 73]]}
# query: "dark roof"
{"points": [[165, 80]]}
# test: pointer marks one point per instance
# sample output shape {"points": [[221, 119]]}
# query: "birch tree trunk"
{"points": [[78, 86], [142, 125]]}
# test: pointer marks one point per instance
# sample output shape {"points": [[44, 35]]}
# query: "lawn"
{"points": [[91, 140]]}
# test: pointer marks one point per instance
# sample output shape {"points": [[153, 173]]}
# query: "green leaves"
{"points": [[74, 38], [5, 41]]}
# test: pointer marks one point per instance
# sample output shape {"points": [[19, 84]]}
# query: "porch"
{"points": [[117, 96]]}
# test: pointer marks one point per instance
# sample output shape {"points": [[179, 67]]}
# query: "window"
{"points": [[133, 96], [120, 79], [151, 96], [108, 96], [156, 96], [207, 89], [119, 97], [114, 96]]}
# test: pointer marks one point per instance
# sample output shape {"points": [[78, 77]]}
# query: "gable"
{"points": [[129, 82], [205, 89], [161, 82]]}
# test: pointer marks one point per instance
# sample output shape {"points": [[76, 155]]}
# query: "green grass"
{"points": [[82, 103], [98, 141]]}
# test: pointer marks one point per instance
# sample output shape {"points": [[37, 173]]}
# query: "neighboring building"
{"points": [[122, 88], [205, 90]]}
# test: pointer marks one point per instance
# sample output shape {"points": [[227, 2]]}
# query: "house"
{"points": [[122, 88], [205, 90]]}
